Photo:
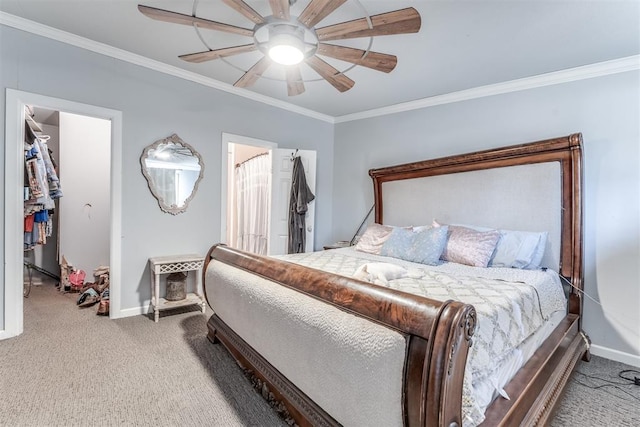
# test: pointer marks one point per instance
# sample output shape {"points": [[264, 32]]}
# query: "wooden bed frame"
{"points": [[438, 333]]}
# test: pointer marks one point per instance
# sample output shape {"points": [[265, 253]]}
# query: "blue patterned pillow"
{"points": [[424, 247]]}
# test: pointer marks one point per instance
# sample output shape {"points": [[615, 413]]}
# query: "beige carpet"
{"points": [[598, 397], [73, 368]]}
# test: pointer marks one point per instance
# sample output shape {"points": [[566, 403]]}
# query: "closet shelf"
{"points": [[33, 124]]}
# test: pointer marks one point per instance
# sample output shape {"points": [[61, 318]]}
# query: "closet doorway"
{"points": [[91, 194]]}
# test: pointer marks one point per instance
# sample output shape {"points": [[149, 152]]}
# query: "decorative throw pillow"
{"points": [[470, 247], [424, 247], [429, 245], [373, 238], [398, 243]]}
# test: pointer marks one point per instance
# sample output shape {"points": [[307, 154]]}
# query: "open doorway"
{"points": [[249, 198], [279, 181], [246, 193], [14, 196], [78, 214]]}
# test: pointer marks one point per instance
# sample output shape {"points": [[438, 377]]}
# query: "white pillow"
{"points": [[519, 249], [536, 260]]}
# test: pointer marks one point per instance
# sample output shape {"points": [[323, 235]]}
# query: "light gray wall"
{"points": [[605, 110], [154, 106]]}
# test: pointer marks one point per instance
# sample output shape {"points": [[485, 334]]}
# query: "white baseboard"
{"points": [[4, 334], [618, 356], [128, 312]]}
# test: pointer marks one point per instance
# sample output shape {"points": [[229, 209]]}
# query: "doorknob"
{"points": [[309, 229]]}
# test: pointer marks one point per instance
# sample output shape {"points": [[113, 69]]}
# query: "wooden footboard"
{"points": [[438, 335]]}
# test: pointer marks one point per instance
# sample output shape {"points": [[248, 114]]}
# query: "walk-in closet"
{"points": [[66, 207]]}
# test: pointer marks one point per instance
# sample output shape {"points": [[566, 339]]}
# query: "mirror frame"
{"points": [[175, 139]]}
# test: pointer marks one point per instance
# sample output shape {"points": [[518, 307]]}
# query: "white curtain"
{"points": [[253, 195]]}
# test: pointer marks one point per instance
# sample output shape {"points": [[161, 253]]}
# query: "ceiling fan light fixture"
{"points": [[286, 39], [286, 45]]}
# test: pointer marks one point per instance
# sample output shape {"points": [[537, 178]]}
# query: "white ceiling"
{"points": [[461, 45]]}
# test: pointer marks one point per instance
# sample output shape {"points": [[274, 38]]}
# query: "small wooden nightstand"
{"points": [[337, 245]]}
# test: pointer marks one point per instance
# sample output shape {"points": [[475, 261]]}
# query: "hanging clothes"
{"points": [[299, 198], [29, 221], [42, 185], [52, 177], [252, 203]]}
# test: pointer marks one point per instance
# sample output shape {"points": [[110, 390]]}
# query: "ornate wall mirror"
{"points": [[173, 170]]}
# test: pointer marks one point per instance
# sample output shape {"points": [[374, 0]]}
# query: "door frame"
{"points": [[13, 199], [227, 140]]}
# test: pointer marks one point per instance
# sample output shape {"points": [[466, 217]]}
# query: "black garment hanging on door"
{"points": [[299, 198]]}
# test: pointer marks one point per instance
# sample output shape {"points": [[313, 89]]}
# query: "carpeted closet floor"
{"points": [[71, 367]]}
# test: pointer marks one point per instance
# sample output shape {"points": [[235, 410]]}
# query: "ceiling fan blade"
{"points": [[246, 10], [209, 55], [295, 86], [280, 8], [330, 74], [397, 22], [254, 73], [374, 60], [179, 18], [317, 10]]}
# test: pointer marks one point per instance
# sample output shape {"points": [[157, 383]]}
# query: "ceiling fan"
{"points": [[290, 40]]}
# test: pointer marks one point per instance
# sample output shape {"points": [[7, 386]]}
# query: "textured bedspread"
{"points": [[511, 305]]}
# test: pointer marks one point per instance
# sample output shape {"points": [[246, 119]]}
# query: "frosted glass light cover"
{"points": [[286, 54]]}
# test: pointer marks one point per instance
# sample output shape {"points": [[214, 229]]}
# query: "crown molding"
{"points": [[599, 69], [123, 55]]}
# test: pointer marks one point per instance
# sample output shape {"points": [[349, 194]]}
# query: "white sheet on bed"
{"points": [[511, 305]]}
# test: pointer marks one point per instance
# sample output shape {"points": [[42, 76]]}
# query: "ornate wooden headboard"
{"points": [[535, 186]]}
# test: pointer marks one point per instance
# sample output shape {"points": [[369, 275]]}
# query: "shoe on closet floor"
{"points": [[103, 307], [89, 285], [88, 298]]}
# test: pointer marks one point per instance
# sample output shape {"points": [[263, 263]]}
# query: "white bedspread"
{"points": [[351, 367], [511, 305]]}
